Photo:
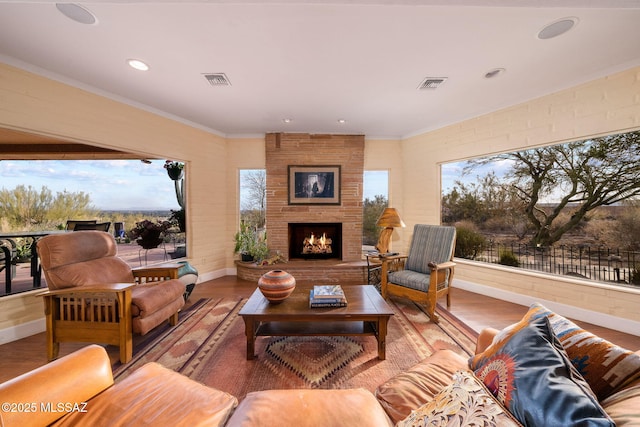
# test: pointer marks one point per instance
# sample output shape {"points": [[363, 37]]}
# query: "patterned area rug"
{"points": [[314, 359], [209, 346]]}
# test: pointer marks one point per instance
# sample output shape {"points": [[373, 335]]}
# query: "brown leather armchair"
{"points": [[94, 296]]}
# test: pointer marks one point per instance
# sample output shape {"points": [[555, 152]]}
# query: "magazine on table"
{"points": [[328, 291], [334, 301]]}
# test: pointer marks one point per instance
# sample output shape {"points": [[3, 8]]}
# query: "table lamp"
{"points": [[389, 219]]}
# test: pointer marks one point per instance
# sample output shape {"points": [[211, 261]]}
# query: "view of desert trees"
{"points": [[583, 193]]}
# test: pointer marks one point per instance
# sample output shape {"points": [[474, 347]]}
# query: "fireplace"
{"points": [[315, 240]]}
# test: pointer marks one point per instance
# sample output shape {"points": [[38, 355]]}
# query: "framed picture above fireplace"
{"points": [[314, 185]]}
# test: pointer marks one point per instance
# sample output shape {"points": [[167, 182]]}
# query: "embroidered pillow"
{"points": [[606, 367], [465, 402], [530, 374]]}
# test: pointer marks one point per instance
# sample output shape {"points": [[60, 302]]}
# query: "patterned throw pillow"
{"points": [[530, 374], [465, 402], [606, 367]]}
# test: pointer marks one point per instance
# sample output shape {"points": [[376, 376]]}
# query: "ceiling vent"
{"points": [[217, 79], [432, 82]]}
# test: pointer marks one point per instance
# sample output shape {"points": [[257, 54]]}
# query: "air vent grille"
{"points": [[217, 79], [432, 82]]}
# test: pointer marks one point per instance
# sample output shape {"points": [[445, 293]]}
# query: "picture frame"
{"points": [[314, 185]]}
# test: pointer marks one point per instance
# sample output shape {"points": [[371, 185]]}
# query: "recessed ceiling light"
{"points": [[137, 64], [342, 121], [557, 28], [286, 120], [76, 13], [494, 73]]}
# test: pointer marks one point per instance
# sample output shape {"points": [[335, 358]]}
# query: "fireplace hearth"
{"points": [[315, 240]]}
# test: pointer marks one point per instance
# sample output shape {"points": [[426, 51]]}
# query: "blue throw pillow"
{"points": [[529, 372]]}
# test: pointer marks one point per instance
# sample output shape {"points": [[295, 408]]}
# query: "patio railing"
{"points": [[594, 263]]}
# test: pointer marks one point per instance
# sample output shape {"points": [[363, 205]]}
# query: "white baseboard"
{"points": [[601, 319], [22, 330], [211, 275]]}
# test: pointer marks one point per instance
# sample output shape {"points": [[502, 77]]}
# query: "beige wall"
{"points": [[386, 154], [47, 107], [600, 107], [245, 153], [36, 104]]}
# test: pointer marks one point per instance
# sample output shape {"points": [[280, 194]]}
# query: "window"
{"points": [[569, 209], [375, 199], [253, 197]]}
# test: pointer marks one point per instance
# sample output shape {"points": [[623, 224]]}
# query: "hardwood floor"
{"points": [[477, 311]]}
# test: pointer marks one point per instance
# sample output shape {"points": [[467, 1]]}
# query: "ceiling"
{"points": [[315, 62]]}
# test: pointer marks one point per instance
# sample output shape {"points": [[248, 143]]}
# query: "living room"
{"points": [[45, 104], [213, 162]]}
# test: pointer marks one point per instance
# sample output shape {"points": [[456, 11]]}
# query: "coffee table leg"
{"points": [[250, 332], [382, 337]]}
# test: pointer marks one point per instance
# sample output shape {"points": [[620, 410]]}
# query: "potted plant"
{"points": [[245, 239], [260, 249], [147, 233], [250, 244], [179, 218], [175, 170]]}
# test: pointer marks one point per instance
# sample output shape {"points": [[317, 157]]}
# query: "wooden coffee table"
{"points": [[367, 313]]}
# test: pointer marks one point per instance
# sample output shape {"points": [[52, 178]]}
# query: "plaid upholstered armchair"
{"points": [[426, 273]]}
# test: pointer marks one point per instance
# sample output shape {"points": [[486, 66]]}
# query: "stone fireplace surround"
{"points": [[288, 149], [302, 149]]}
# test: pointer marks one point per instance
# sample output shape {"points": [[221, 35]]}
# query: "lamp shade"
{"points": [[390, 218]]}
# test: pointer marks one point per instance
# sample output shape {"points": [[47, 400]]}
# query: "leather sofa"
{"points": [[78, 389]]}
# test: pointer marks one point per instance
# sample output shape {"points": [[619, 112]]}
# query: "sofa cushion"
{"points": [[305, 407], [95, 263], [155, 395], [418, 385], [528, 371], [624, 406], [147, 298], [605, 366], [74, 378], [464, 402]]}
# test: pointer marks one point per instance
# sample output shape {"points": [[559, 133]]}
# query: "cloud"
{"points": [[111, 184]]}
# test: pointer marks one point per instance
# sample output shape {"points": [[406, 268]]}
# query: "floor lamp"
{"points": [[389, 219]]}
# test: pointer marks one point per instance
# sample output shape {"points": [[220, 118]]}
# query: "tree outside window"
{"points": [[253, 198], [583, 194], [375, 199]]}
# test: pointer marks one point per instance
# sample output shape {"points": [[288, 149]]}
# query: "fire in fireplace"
{"points": [[315, 240], [317, 245]]}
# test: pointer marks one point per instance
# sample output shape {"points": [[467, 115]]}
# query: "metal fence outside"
{"points": [[600, 264]]}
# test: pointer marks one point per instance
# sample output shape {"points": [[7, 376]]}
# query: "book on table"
{"points": [[324, 299], [328, 291]]}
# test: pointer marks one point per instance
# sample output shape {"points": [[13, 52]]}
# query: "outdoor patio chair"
{"points": [[72, 223], [95, 296], [100, 226], [426, 273], [8, 255]]}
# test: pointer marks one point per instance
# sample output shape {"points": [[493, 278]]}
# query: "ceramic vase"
{"points": [[276, 285]]}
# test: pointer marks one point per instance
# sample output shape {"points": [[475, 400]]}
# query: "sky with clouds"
{"points": [[111, 184], [133, 185], [452, 172]]}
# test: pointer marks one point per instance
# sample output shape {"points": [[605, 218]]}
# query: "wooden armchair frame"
{"points": [[98, 313], [440, 280]]}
